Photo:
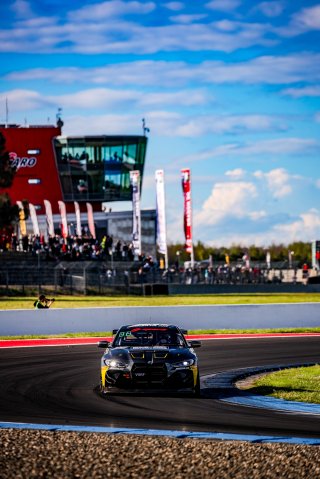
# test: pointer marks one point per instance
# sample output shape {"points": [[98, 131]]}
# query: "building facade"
{"points": [[54, 167], [83, 169]]}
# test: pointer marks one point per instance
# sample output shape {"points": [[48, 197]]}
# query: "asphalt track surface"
{"points": [[58, 385]]}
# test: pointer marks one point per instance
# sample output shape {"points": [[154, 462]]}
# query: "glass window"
{"points": [[98, 167], [116, 154], [130, 154]]}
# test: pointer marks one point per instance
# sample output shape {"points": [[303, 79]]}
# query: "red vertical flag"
{"points": [[186, 188]]}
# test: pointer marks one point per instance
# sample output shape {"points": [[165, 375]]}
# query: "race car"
{"points": [[150, 357]]}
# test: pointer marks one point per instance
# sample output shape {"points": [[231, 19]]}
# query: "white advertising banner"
{"points": [[22, 219], [78, 219], [92, 228], [136, 218], [64, 222], [49, 217], [34, 219], [161, 213]]}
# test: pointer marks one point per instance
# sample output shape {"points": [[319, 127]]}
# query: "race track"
{"points": [[57, 385]]}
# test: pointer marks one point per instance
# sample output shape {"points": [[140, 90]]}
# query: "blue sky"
{"points": [[229, 88]]}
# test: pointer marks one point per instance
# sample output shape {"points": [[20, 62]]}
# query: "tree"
{"points": [[301, 252], [9, 213]]}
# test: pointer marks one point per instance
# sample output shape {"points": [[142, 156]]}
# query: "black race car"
{"points": [[150, 356]]}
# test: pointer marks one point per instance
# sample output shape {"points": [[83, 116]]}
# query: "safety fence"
{"points": [[121, 278]]}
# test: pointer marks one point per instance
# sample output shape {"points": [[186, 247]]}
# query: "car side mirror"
{"points": [[103, 344], [194, 344]]}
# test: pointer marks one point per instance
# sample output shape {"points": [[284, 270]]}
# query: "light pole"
{"points": [[178, 258], [290, 258]]}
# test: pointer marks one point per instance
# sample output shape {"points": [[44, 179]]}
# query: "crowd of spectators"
{"points": [[145, 269], [71, 248]]}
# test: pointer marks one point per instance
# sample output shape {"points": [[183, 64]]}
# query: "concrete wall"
{"points": [[243, 288], [57, 321]]}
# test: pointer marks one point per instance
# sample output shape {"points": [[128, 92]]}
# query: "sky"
{"points": [[228, 88]]}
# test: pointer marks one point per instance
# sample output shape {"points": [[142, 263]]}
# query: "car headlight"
{"points": [[183, 364], [114, 363]]}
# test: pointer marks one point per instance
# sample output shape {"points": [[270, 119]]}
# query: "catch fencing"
{"points": [[88, 277]]}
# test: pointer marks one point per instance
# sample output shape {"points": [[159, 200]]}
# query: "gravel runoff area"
{"points": [[43, 454]]}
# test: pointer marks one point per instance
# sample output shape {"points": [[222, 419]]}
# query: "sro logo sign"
{"points": [[17, 162]]}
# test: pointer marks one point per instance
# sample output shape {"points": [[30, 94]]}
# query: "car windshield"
{"points": [[139, 336]]}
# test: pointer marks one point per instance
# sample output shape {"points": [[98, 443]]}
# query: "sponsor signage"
{"points": [[136, 224], [161, 213], [187, 217], [22, 162]]}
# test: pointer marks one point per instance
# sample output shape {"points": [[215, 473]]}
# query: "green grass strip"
{"points": [[294, 384], [193, 331], [26, 302]]}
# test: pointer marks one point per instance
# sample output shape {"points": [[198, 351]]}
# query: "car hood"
{"points": [[139, 352]]}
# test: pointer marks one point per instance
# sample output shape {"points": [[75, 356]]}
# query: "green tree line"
{"points": [[301, 252]]}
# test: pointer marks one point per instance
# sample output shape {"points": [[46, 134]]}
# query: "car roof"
{"points": [[148, 325]]}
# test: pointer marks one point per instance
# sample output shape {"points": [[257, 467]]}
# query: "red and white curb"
{"points": [[24, 343]]}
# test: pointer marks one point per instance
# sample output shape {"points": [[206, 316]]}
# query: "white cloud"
{"points": [[174, 6], [223, 5], [102, 98], [270, 9], [235, 212], [285, 70], [276, 147], [307, 19], [187, 19], [309, 91], [305, 228], [22, 9], [277, 181], [109, 10], [226, 200], [24, 100], [100, 28], [236, 173], [206, 124]]}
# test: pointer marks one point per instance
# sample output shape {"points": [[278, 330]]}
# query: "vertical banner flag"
{"points": [[268, 259], [186, 188], [64, 223], [91, 221], [22, 219], [34, 220], [49, 217], [161, 213], [78, 219], [136, 219]]}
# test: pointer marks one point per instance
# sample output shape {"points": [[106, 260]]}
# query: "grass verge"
{"points": [[26, 302], [194, 331], [295, 384]]}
